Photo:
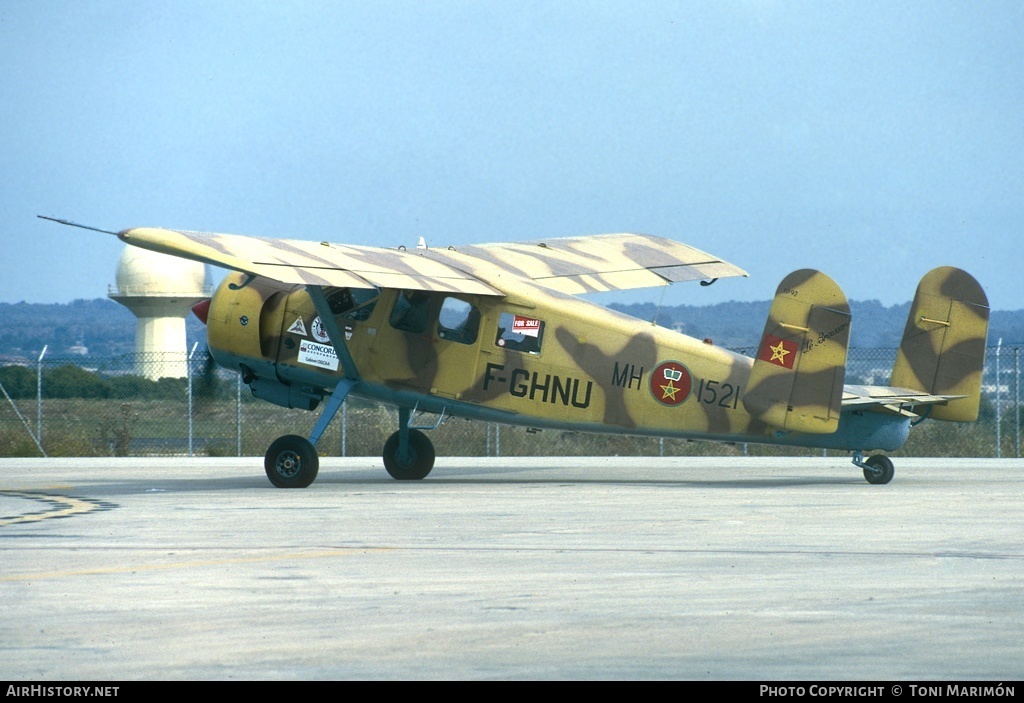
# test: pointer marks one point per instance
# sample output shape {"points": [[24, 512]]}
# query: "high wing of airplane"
{"points": [[495, 332]]}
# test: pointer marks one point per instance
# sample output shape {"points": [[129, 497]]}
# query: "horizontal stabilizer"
{"points": [[797, 380], [900, 401]]}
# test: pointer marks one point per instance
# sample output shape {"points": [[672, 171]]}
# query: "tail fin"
{"points": [[797, 379], [943, 347]]}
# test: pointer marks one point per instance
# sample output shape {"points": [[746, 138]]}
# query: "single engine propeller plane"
{"points": [[495, 332]]}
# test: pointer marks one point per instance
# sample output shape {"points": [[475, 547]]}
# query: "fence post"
{"points": [[999, 411], [238, 412], [1016, 401], [28, 427], [188, 369], [39, 399]]}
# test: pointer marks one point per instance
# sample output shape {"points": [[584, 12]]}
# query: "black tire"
{"points": [[881, 470], [291, 462], [417, 465]]}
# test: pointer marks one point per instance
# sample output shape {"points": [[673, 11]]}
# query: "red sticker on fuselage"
{"points": [[526, 326]]}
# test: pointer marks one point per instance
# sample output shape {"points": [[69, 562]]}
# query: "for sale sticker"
{"points": [[526, 326]]}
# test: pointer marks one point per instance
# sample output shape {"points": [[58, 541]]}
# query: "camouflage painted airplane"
{"points": [[494, 332]]}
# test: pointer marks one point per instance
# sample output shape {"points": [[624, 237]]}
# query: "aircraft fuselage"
{"points": [[534, 357]]}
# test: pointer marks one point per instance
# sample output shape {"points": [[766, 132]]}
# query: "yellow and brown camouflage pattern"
{"points": [[597, 369], [568, 264], [943, 346], [797, 379], [592, 369], [591, 264], [310, 263]]}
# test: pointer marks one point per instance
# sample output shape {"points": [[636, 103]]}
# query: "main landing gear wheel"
{"points": [[417, 462], [878, 469], [291, 462]]}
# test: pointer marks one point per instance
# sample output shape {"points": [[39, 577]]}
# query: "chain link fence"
{"points": [[79, 406]]}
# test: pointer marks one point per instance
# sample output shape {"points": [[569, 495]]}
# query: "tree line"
{"points": [[70, 381]]}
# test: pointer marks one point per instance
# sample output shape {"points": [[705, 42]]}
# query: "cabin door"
{"points": [[428, 343]]}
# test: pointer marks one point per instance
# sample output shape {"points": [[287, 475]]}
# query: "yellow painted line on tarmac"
{"points": [[60, 506], [192, 564]]}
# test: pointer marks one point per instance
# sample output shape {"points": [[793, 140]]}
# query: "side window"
{"points": [[411, 312], [458, 321], [520, 333]]}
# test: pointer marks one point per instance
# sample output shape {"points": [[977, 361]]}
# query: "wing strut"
{"points": [[323, 309], [348, 364], [331, 407]]}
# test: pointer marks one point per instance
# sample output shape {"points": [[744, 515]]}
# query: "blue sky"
{"points": [[870, 140]]}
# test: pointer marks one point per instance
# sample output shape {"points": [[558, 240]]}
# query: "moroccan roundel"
{"points": [[671, 383]]}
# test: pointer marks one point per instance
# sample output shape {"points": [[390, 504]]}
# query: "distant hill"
{"points": [[105, 328], [101, 326], [740, 324]]}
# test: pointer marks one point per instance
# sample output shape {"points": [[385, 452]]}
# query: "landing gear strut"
{"points": [[878, 469], [292, 461]]}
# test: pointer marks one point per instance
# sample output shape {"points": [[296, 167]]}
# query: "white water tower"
{"points": [[160, 290]]}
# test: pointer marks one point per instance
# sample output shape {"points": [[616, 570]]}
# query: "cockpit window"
{"points": [[520, 333], [458, 321], [354, 303], [411, 312]]}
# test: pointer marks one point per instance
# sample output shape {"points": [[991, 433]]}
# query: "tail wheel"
{"points": [[417, 461], [878, 469], [291, 462]]}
